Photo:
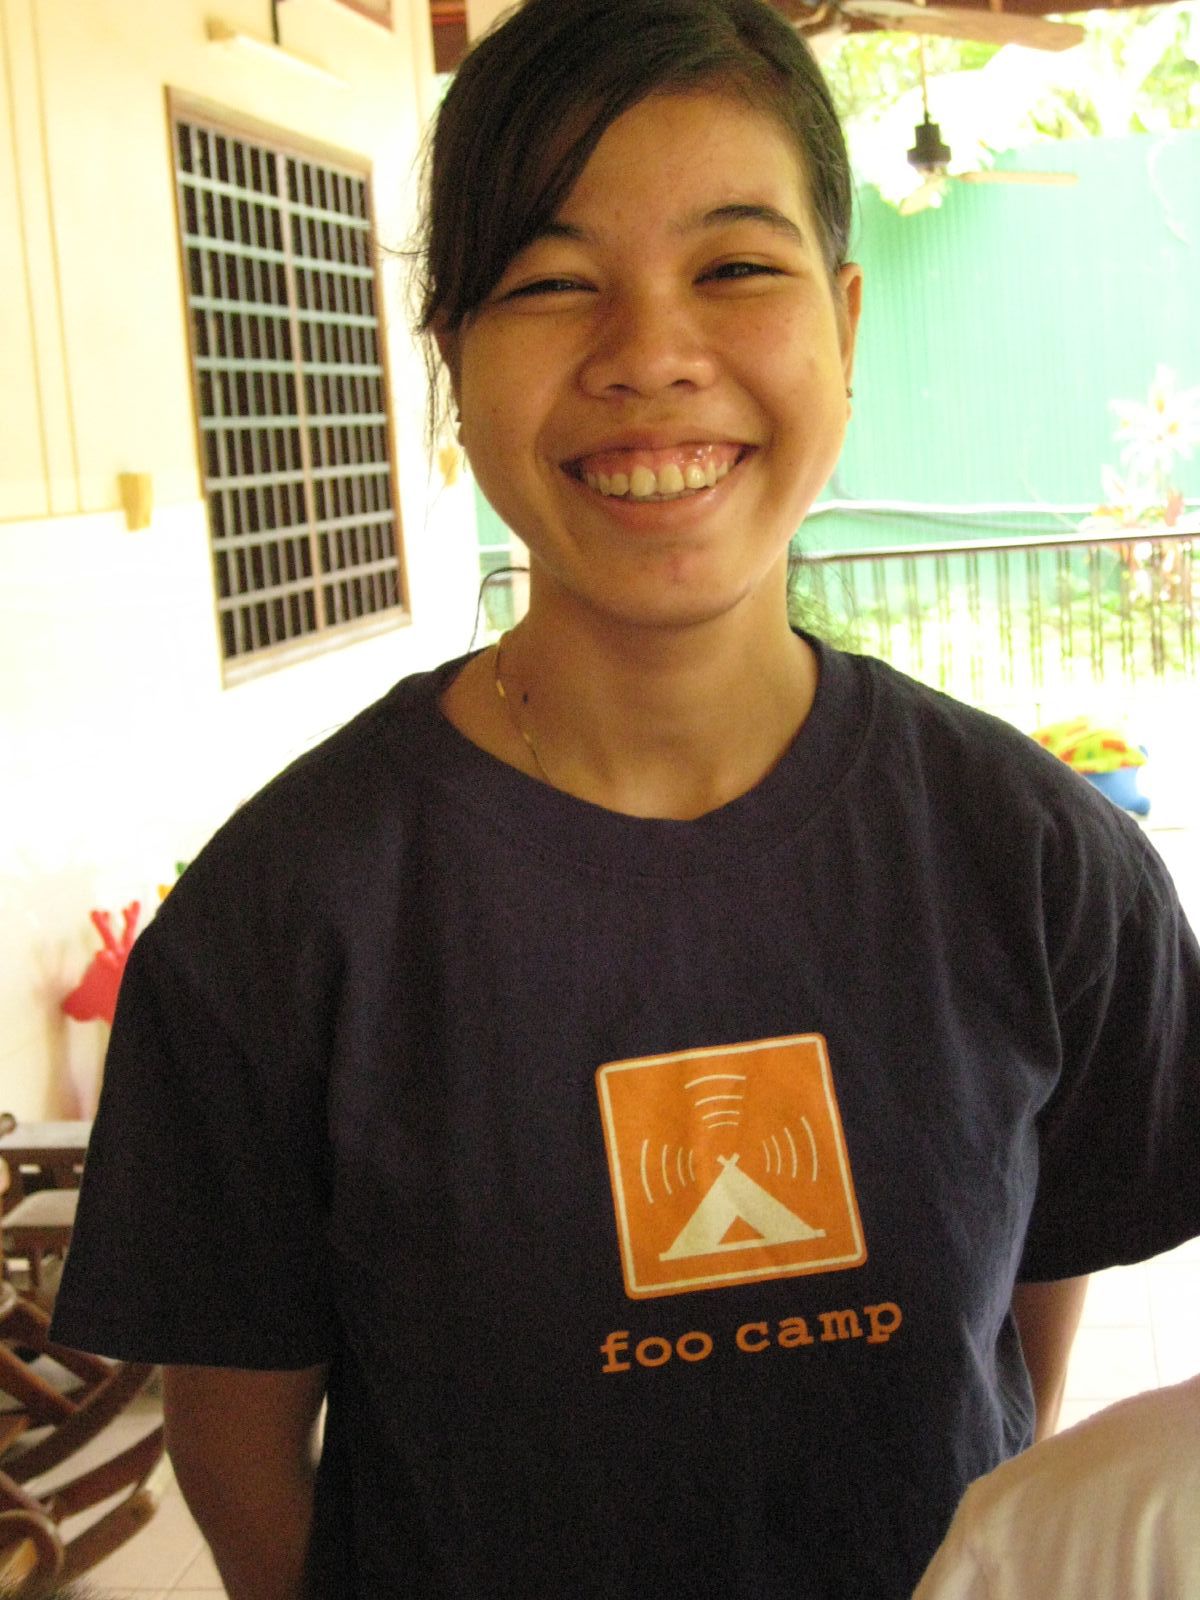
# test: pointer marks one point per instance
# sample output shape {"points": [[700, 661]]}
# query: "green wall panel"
{"points": [[997, 329]]}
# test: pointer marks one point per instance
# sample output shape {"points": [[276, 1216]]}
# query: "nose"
{"points": [[644, 345]]}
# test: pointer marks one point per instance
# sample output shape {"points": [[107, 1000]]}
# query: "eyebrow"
{"points": [[748, 211], [719, 216]]}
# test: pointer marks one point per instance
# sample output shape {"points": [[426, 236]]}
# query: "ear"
{"points": [[848, 295]]}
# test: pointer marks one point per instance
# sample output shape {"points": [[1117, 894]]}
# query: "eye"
{"points": [[545, 286], [732, 271]]}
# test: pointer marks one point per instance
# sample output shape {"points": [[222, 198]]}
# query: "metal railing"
{"points": [[998, 619]]}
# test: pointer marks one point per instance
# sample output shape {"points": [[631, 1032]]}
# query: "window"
{"points": [[290, 390]]}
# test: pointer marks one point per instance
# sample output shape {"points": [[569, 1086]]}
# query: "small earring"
{"points": [[849, 392]]}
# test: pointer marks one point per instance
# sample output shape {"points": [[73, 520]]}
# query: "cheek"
{"points": [[488, 424], [796, 354], [503, 394]]}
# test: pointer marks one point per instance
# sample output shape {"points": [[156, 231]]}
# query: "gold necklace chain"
{"points": [[513, 717]]}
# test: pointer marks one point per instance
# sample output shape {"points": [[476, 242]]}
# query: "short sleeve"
{"points": [[200, 1236], [1119, 1140]]}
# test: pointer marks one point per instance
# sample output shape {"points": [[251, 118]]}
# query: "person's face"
{"points": [[655, 391]]}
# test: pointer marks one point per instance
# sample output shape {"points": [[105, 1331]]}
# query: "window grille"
{"points": [[290, 390]]}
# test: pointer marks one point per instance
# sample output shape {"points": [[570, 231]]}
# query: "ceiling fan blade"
{"points": [[985, 27], [1059, 180]]}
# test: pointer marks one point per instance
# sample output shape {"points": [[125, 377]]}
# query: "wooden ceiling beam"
{"points": [[449, 18]]}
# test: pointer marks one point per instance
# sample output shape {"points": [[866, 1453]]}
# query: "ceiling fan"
{"points": [[930, 156], [952, 22]]}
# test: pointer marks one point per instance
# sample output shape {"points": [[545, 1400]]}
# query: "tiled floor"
{"points": [[1138, 1333], [168, 1557]]}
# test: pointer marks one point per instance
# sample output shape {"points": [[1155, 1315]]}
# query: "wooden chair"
{"points": [[40, 1226], [53, 1402], [45, 1162], [30, 1552], [43, 1155]]}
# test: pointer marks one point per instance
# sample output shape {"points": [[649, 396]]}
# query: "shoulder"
{"points": [[370, 763], [989, 813], [921, 724], [337, 797], [972, 764], [1156, 1433], [1108, 1506], [303, 871], [1131, 1461]]}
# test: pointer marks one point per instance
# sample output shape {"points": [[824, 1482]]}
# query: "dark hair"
{"points": [[533, 99]]}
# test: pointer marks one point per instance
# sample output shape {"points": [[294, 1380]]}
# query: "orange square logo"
{"points": [[728, 1165]]}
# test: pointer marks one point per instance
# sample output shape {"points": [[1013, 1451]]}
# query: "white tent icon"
{"points": [[734, 1197]]}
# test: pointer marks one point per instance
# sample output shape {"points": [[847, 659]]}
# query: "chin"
{"points": [[690, 608]]}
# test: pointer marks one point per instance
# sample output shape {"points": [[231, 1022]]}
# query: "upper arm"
{"points": [[1047, 1317], [217, 1414], [243, 1444]]}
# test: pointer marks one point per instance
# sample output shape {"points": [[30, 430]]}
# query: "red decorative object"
{"points": [[96, 995]]}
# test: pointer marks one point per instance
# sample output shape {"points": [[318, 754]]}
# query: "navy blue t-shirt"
{"points": [[655, 1190]]}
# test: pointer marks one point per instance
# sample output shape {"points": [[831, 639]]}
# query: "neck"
{"points": [[655, 722]]}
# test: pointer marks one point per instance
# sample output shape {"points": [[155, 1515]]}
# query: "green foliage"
{"points": [[1138, 70], [873, 70]]}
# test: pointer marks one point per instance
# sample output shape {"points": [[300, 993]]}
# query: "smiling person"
{"points": [[653, 393], [661, 1080]]}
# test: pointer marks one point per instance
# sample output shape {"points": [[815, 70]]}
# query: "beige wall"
{"points": [[120, 750]]}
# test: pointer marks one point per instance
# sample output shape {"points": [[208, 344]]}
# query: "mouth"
{"points": [[657, 475]]}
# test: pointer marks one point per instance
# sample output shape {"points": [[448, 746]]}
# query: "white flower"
{"points": [[1160, 432], [1126, 502]]}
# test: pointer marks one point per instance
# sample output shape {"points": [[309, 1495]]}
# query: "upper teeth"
{"points": [[643, 483]]}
